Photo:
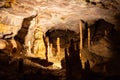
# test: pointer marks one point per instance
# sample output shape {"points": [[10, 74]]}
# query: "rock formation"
{"points": [[28, 21]]}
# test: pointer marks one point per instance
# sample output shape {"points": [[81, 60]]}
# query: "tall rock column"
{"points": [[38, 43]]}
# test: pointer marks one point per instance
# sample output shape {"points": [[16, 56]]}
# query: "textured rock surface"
{"points": [[22, 19], [51, 14]]}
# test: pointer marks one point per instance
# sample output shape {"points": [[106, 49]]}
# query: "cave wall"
{"points": [[8, 24]]}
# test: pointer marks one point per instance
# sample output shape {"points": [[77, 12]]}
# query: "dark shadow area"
{"points": [[75, 71], [108, 33], [42, 62], [40, 76], [17, 69], [106, 66], [64, 35], [103, 30], [117, 18], [73, 62]]}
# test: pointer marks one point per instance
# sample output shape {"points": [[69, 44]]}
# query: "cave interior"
{"points": [[59, 40]]}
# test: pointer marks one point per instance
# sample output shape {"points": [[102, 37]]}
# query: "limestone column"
{"points": [[38, 44], [81, 43], [58, 47], [89, 38], [81, 36]]}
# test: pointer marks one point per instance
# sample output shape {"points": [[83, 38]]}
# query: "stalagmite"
{"points": [[48, 48], [71, 48], [104, 69], [87, 65], [89, 38], [105, 33], [29, 49], [67, 65], [39, 46], [58, 46], [38, 43], [81, 37], [73, 62], [81, 44], [51, 53]]}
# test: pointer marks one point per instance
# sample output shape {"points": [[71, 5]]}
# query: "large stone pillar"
{"points": [[38, 44]]}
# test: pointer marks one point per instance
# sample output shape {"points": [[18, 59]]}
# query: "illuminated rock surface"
{"points": [[29, 22]]}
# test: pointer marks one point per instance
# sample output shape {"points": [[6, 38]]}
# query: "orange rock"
{"points": [[3, 44]]}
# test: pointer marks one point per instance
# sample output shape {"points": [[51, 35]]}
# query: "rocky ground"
{"points": [[31, 68]]}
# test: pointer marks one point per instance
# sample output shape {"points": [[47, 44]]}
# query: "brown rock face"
{"points": [[10, 46]]}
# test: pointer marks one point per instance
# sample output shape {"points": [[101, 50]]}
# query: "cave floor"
{"points": [[38, 69], [32, 68]]}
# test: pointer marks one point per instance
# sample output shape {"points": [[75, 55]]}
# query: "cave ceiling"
{"points": [[60, 14]]}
